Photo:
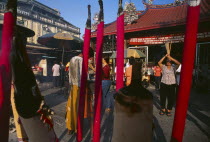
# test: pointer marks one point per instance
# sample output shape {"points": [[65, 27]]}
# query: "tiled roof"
{"points": [[154, 18]]}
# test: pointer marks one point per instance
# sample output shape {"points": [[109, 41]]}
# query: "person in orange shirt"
{"points": [[128, 71], [157, 75]]}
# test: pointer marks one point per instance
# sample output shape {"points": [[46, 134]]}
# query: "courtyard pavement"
{"points": [[197, 123]]}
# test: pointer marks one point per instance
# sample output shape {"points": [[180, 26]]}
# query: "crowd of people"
{"points": [[130, 104]]}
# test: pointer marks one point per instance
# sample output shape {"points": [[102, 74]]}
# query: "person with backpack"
{"points": [[168, 85]]}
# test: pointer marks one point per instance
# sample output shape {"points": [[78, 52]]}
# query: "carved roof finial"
{"points": [[120, 9], [101, 13], [88, 23]]}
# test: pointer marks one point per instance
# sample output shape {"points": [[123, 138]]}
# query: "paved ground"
{"points": [[197, 124]]}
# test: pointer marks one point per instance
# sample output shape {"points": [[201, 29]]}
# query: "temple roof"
{"points": [[155, 17]]}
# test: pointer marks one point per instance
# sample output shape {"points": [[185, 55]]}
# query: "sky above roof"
{"points": [[75, 11]]}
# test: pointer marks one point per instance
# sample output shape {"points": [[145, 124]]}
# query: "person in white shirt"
{"points": [[56, 74]]}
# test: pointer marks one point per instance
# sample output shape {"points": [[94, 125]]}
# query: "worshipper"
{"points": [[127, 64], [56, 74], [89, 97], [178, 72], [145, 80], [91, 69], [133, 111], [157, 76], [115, 74], [62, 74], [106, 83], [128, 71], [75, 70], [67, 67], [168, 85], [67, 71]]}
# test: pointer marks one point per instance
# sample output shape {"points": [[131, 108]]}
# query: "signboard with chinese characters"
{"points": [[204, 36]]}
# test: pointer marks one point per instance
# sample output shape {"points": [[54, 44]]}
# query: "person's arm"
{"points": [[91, 66], [161, 60], [80, 66], [126, 72], [154, 70], [53, 69], [174, 60]]}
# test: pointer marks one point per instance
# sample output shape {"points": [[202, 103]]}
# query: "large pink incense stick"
{"points": [[187, 69], [5, 75], [98, 83], [120, 47], [83, 85]]}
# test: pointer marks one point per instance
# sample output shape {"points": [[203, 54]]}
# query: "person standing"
{"points": [[146, 80], [128, 71], [168, 85], [62, 76], [106, 83], [178, 72], [75, 70], [56, 74], [157, 75]]}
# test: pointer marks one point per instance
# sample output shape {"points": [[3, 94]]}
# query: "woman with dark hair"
{"points": [[133, 115], [106, 83], [168, 85]]}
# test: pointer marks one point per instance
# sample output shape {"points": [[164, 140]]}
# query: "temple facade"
{"points": [[156, 25]]}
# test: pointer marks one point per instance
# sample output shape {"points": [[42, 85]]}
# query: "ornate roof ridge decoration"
{"points": [[96, 22], [98, 17], [131, 14], [194, 2], [150, 4]]}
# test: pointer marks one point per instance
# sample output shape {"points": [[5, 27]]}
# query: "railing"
{"points": [[45, 19]]}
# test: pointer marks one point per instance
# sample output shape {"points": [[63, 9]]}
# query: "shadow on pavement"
{"points": [[63, 134], [73, 138], [156, 101], [190, 118], [202, 117], [158, 135], [55, 98]]}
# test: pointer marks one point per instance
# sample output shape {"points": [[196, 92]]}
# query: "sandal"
{"points": [[168, 113], [162, 112]]}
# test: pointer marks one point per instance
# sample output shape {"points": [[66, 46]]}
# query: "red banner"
{"points": [[174, 38]]}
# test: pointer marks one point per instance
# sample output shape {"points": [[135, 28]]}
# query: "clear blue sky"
{"points": [[75, 11]]}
